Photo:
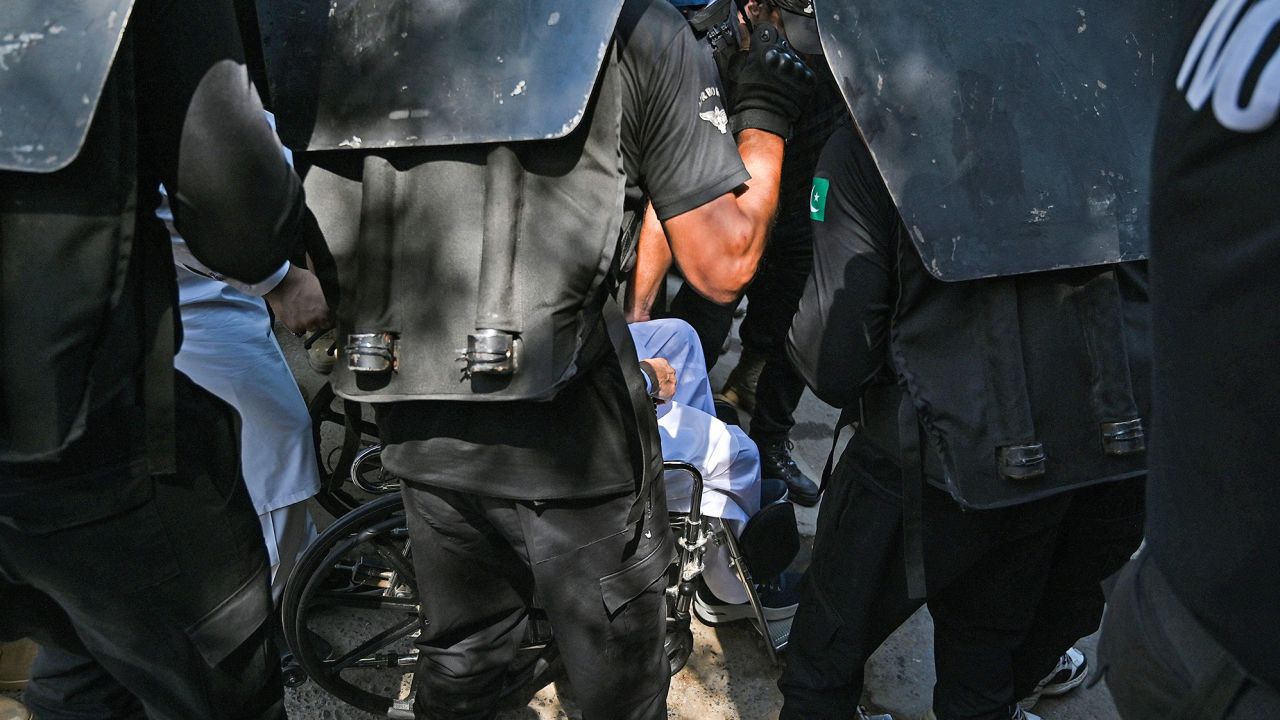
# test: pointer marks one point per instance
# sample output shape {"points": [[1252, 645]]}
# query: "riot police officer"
{"points": [[476, 190], [994, 368], [1190, 625], [128, 547]]}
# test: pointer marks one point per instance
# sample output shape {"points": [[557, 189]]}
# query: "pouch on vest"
{"points": [[473, 272]]}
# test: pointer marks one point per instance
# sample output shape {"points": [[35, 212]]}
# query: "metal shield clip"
{"points": [[492, 352], [1022, 462], [371, 352], [1123, 438]]}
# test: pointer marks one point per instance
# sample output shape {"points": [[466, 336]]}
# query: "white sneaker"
{"points": [[1070, 673], [780, 602]]}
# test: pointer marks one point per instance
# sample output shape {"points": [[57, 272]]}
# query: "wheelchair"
{"points": [[357, 580]]}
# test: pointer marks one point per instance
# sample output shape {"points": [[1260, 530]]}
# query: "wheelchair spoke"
{"points": [[397, 632]]}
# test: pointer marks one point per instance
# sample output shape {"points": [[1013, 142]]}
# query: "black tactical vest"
{"points": [[1024, 386], [473, 272], [72, 305]]}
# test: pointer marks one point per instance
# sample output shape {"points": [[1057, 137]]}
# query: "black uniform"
{"points": [[516, 500], [866, 322], [1193, 621], [147, 591]]}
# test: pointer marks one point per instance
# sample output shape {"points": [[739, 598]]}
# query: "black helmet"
{"points": [[799, 25]]}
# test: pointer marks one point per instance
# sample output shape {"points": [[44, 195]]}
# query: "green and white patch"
{"points": [[818, 199]]}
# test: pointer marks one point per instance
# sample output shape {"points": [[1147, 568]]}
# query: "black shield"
{"points": [[1014, 135], [54, 60], [398, 73]]}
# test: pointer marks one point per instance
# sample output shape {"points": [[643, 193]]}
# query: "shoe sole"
{"points": [[802, 500], [1063, 688], [716, 616]]}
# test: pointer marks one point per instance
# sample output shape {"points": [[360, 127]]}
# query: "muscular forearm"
{"points": [[718, 245], [762, 154], [653, 260]]}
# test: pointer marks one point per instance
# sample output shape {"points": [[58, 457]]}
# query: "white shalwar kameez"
{"points": [[228, 349], [691, 432]]}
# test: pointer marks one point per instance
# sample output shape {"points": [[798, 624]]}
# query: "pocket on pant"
{"points": [[621, 587], [225, 628], [816, 623]]}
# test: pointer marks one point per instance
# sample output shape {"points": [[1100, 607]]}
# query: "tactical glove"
{"points": [[768, 85]]}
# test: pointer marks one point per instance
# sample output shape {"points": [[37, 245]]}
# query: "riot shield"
{"points": [[398, 73], [54, 60], [1014, 135]]}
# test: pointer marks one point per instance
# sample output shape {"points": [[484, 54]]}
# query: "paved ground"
{"points": [[729, 675]]}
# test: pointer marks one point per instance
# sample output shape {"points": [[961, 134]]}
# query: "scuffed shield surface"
{"points": [[363, 74], [54, 59], [1014, 135]]}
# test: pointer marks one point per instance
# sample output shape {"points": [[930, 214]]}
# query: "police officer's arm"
{"points": [[653, 259], [714, 204], [718, 246], [737, 225], [838, 338], [235, 199]]}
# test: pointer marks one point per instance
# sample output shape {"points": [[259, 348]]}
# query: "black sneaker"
{"points": [[776, 462], [779, 599]]}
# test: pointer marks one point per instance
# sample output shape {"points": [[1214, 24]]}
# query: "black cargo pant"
{"points": [[482, 561], [987, 572], [147, 594], [1160, 662]]}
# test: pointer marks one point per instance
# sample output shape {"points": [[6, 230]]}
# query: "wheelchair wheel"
{"points": [[351, 612], [338, 448]]}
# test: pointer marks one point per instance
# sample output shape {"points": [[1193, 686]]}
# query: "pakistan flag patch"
{"points": [[818, 199]]}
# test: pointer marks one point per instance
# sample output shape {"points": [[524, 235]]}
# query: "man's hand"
{"points": [[665, 375], [769, 85], [299, 303]]}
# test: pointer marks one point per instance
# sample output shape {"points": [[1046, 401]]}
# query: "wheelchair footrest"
{"points": [[401, 709], [776, 632]]}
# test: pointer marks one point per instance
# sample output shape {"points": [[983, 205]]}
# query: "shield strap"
{"points": [[909, 434]]}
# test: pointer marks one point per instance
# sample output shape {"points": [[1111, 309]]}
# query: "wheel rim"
{"points": [[363, 563], [360, 582]]}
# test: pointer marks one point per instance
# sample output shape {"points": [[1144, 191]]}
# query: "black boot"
{"points": [[776, 462]]}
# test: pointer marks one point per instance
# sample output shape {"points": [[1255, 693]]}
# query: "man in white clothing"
{"points": [[728, 460]]}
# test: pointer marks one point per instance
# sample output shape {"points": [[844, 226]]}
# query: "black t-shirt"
{"points": [[678, 152], [1214, 495], [856, 230]]}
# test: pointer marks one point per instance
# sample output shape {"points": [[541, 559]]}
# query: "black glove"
{"points": [[768, 85]]}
